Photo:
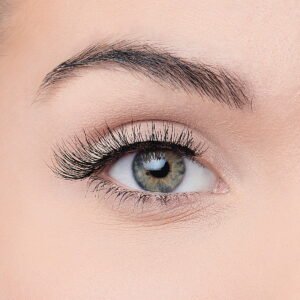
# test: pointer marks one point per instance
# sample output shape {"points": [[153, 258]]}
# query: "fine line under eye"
{"points": [[79, 157]]}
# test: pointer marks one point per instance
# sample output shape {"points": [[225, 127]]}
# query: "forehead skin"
{"points": [[260, 40]]}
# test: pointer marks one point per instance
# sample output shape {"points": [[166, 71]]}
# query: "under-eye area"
{"points": [[143, 166]]}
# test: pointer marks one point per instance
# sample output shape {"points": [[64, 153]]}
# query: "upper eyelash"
{"points": [[79, 158]]}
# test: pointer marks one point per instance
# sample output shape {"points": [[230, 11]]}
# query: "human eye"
{"points": [[162, 171], [150, 165]]}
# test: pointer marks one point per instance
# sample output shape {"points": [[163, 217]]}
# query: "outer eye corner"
{"points": [[221, 187]]}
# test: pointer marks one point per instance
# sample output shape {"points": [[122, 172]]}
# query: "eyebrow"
{"points": [[160, 65]]}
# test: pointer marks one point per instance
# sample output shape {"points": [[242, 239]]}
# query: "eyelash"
{"points": [[89, 155]]}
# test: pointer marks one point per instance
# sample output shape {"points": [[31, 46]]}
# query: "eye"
{"points": [[145, 165], [162, 171]]}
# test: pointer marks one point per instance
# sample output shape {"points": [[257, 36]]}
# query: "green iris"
{"points": [[158, 171]]}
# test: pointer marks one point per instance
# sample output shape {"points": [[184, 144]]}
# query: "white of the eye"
{"points": [[197, 178], [121, 172]]}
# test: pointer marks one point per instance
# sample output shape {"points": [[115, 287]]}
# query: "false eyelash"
{"points": [[79, 158]]}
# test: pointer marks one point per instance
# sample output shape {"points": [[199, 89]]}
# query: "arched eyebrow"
{"points": [[158, 64]]}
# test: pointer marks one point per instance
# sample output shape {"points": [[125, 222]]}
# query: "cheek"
{"points": [[58, 240]]}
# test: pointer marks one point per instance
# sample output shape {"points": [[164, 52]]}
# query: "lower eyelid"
{"points": [[141, 209], [154, 209]]}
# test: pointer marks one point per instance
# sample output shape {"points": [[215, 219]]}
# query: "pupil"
{"points": [[160, 173]]}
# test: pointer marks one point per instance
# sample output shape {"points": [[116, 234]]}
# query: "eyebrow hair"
{"points": [[160, 65], [5, 13]]}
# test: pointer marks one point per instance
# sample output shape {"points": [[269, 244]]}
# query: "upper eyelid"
{"points": [[95, 149]]}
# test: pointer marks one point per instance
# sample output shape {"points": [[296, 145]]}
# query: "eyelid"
{"points": [[151, 212], [80, 158]]}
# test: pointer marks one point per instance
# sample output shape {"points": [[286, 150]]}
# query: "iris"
{"points": [[158, 171]]}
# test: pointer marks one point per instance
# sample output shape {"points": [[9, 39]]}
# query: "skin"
{"points": [[58, 244]]}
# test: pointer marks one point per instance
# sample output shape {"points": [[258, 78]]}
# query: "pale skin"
{"points": [[57, 242]]}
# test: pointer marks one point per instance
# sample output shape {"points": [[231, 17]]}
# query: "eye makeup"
{"points": [[94, 153]]}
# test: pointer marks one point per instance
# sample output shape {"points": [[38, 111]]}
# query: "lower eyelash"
{"points": [[123, 194], [150, 209], [98, 184]]}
